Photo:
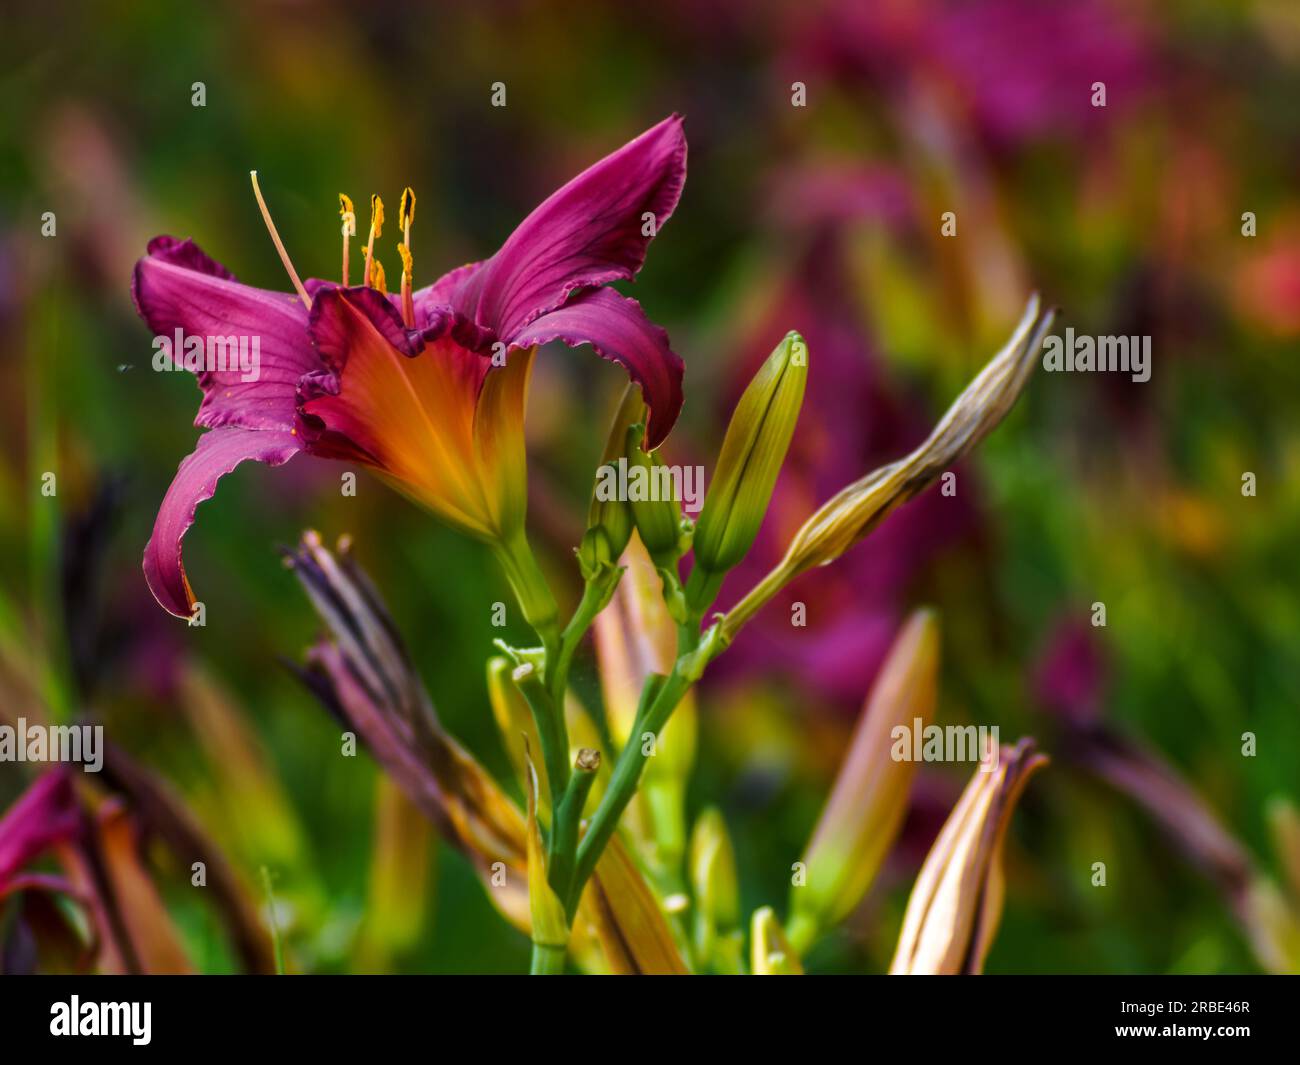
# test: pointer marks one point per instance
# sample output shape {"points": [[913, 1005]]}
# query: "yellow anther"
{"points": [[349, 215], [376, 228], [405, 216], [377, 279], [406, 210]]}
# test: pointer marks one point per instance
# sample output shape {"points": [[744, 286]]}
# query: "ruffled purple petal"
{"points": [[436, 298], [218, 452], [618, 329], [590, 232], [176, 286], [333, 320]]}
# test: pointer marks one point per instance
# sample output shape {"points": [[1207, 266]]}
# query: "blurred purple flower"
{"points": [[1020, 68], [1070, 674]]}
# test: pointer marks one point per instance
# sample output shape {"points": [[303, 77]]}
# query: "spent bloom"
{"points": [[425, 387]]}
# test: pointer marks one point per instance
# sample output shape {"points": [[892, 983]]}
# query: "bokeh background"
{"points": [[823, 218]]}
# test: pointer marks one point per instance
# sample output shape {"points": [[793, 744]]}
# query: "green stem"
{"points": [[547, 960], [623, 782], [565, 821], [595, 597], [552, 731], [531, 590]]}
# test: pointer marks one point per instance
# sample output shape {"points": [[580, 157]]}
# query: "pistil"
{"points": [[279, 245]]}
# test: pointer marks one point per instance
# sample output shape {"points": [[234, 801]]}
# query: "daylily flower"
{"points": [[427, 388]]}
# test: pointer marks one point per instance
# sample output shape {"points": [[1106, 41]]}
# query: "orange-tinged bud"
{"points": [[956, 903], [869, 798]]}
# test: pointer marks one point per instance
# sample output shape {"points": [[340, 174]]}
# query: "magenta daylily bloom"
{"points": [[410, 387]]}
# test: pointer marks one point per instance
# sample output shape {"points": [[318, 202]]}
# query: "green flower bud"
{"points": [[655, 507], [770, 951], [609, 518], [751, 457], [713, 878]]}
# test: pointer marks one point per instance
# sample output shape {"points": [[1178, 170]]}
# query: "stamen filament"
{"points": [[376, 229], [279, 245], [408, 303], [405, 216], [349, 216]]}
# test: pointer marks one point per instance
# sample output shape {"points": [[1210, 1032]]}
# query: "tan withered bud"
{"points": [[753, 451], [956, 903], [869, 798], [770, 953], [856, 510], [364, 675]]}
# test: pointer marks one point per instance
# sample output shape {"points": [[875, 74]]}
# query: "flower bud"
{"points": [[609, 518], [752, 453], [858, 508], [655, 507], [713, 878], [956, 903], [869, 798], [770, 952]]}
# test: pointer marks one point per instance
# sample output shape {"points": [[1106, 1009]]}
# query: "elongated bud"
{"points": [[751, 457], [609, 518], [956, 903], [655, 507], [869, 798], [858, 508], [770, 952], [515, 720], [713, 878]]}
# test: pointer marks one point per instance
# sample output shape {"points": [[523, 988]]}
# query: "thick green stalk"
{"points": [[596, 594], [531, 590], [564, 823], [547, 960]]}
